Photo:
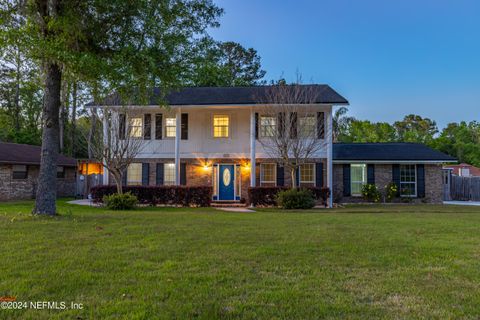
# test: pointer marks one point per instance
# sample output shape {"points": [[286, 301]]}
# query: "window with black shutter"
{"points": [[184, 126], [158, 126], [147, 127]]}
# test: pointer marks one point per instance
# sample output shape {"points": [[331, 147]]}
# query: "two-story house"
{"points": [[213, 136]]}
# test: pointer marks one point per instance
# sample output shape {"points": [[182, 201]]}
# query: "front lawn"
{"points": [[359, 262]]}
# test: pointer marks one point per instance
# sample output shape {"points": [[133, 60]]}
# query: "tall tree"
{"points": [[414, 128], [126, 45]]}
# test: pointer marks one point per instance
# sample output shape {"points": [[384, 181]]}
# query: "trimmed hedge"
{"points": [[165, 195], [267, 196]]}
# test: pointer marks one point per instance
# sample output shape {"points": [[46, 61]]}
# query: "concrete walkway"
{"points": [[84, 202], [463, 203], [233, 209]]}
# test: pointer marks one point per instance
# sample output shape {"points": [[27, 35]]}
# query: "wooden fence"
{"points": [[465, 188]]}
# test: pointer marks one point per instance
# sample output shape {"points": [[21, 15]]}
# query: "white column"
{"points": [[178, 132], [106, 144], [329, 138], [252, 147]]}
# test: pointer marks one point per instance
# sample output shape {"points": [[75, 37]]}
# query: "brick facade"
{"points": [[23, 189], [383, 176]]}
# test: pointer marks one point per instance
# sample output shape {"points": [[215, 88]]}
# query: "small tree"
{"points": [[289, 132], [117, 142]]}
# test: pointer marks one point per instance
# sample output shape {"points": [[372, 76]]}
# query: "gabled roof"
{"points": [[224, 96], [14, 153], [388, 152]]}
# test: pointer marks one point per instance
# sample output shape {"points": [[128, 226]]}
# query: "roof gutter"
{"points": [[395, 161]]}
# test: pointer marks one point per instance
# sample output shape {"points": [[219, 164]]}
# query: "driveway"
{"points": [[463, 203]]}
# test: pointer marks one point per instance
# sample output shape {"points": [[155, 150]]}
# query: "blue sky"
{"points": [[388, 58]]}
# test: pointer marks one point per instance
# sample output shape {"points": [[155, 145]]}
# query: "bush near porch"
{"points": [[199, 196], [267, 196]]}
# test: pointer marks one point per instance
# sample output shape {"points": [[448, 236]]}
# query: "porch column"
{"points": [[106, 144], [252, 147], [178, 124], [329, 138]]}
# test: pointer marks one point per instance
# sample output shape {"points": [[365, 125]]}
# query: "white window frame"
{"points": [[228, 126], [313, 173], [362, 182], [131, 182], [167, 126], [262, 165], [414, 195], [301, 127], [263, 127], [169, 166], [135, 131]]}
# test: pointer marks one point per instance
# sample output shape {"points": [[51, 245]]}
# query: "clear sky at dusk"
{"points": [[388, 58]]}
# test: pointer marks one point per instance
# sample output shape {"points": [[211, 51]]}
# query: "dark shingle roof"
{"points": [[27, 154], [224, 96], [388, 152]]}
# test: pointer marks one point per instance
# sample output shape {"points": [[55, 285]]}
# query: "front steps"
{"points": [[228, 204]]}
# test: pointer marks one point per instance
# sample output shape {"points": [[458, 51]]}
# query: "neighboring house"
{"points": [[463, 170], [210, 136], [19, 168], [415, 168]]}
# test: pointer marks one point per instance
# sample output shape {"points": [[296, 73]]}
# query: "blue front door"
{"points": [[226, 182]]}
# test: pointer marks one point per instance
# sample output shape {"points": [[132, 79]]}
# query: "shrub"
{"points": [[391, 191], [267, 196], [125, 201], [371, 193], [200, 196], [296, 199]]}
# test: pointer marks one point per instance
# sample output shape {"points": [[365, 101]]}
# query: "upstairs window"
{"points": [[170, 127], [306, 126], [358, 178], [307, 173], [135, 127], [19, 172], [134, 174], [221, 125], [169, 174], [408, 180], [60, 172], [268, 126], [268, 173]]}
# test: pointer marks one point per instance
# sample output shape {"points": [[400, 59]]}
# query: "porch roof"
{"points": [[14, 153], [209, 96]]}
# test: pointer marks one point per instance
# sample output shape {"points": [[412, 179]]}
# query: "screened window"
{"points": [[135, 127], [358, 178], [307, 126], [408, 180], [169, 174], [221, 124], [134, 174], [268, 172], [268, 126], [307, 173], [60, 172], [19, 172], [170, 127]]}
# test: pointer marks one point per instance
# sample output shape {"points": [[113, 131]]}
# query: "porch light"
{"points": [[206, 167]]}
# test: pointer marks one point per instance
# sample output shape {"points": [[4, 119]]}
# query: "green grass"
{"points": [[358, 262]]}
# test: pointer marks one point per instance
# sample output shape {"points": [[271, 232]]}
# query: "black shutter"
{"points": [[183, 174], [396, 176], [371, 174], [280, 176], [256, 125], [121, 126], [160, 174], [319, 174], [145, 174], [293, 122], [184, 126], [124, 178], [346, 180], [281, 124], [320, 125], [420, 180], [297, 177], [158, 126], [147, 126]]}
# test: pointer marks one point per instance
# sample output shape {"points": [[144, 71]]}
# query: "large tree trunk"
{"points": [[47, 179]]}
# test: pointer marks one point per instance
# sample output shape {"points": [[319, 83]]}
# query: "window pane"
{"points": [[134, 174], [170, 127], [358, 178], [169, 173], [220, 126], [307, 126], [408, 177], [135, 127], [307, 173], [268, 126], [267, 172]]}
